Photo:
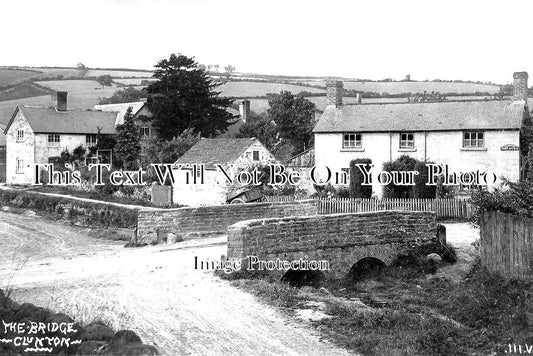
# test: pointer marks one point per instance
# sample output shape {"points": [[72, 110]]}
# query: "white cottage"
{"points": [[233, 155], [36, 135], [465, 135]]}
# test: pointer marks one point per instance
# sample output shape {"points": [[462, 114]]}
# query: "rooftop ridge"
{"points": [[510, 100]]}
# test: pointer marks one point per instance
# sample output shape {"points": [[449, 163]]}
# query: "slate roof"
{"points": [[49, 120], [436, 116], [211, 151], [121, 109]]}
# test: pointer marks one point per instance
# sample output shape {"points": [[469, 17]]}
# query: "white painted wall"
{"points": [[216, 188], [19, 150], [442, 147]]}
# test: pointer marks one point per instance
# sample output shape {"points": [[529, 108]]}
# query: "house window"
{"points": [[473, 139], [407, 140], [20, 166], [54, 140], [352, 140], [255, 155], [90, 140], [145, 132], [20, 135]]}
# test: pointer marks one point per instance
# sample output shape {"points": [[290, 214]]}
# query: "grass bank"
{"points": [[408, 311]]}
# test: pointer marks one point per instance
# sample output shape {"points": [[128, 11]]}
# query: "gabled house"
{"points": [[141, 115], [140, 112], [233, 155], [38, 135], [465, 135]]}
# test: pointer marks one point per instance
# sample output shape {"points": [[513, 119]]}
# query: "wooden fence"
{"points": [[444, 208], [506, 244]]}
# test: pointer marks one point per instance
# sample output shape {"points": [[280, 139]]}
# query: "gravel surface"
{"points": [[155, 291]]}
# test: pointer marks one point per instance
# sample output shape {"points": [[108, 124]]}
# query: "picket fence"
{"points": [[507, 244], [444, 208]]}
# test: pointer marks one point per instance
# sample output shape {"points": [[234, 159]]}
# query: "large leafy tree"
{"points": [[261, 127], [295, 117], [184, 97], [128, 146]]}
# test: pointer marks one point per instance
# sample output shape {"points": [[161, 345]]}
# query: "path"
{"points": [[155, 292]]}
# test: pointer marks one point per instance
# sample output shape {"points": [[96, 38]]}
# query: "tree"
{"points": [[526, 140], [421, 189], [404, 163], [294, 117], [184, 97], [357, 189], [126, 95], [105, 80], [262, 128], [128, 146]]}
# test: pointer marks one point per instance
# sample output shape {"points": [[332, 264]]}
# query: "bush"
{"points": [[357, 189], [404, 163], [512, 198], [421, 190]]}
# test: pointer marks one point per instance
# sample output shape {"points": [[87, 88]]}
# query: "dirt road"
{"points": [[159, 294]]}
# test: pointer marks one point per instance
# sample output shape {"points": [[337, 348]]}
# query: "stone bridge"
{"points": [[338, 240]]}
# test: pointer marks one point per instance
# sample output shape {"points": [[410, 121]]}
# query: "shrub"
{"points": [[357, 189], [421, 189], [512, 198], [403, 163]]}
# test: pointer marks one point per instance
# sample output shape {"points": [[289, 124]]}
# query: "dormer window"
{"points": [[352, 140], [20, 135]]}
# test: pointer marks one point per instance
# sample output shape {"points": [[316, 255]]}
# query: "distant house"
{"points": [[142, 115], [140, 112], [233, 155], [38, 135], [465, 135]]}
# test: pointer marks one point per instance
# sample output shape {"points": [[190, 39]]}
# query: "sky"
{"points": [[375, 39]]}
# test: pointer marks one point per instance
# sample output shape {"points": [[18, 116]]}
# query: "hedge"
{"points": [[77, 211]]}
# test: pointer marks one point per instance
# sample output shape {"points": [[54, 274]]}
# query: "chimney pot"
{"points": [[334, 91], [59, 100], [520, 86], [244, 109]]}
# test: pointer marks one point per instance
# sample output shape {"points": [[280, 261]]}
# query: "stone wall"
{"points": [[341, 239], [153, 225]]}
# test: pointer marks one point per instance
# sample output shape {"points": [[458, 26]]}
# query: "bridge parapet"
{"points": [[339, 239]]}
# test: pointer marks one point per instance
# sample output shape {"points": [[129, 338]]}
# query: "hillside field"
{"points": [[413, 87], [12, 76]]}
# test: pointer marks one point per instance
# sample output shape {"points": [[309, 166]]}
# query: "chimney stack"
{"points": [[520, 86], [358, 98], [59, 100], [334, 89], [244, 109]]}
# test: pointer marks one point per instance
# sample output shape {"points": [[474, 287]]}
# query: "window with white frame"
{"points": [[407, 140], [145, 132], [20, 166], [20, 135], [54, 140], [90, 140], [473, 139], [352, 140]]}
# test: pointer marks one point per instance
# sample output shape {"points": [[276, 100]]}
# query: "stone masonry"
{"points": [[341, 239], [153, 225]]}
